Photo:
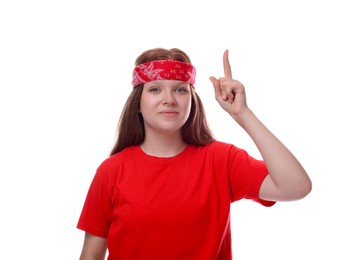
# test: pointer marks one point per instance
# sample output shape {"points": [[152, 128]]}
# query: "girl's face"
{"points": [[165, 105]]}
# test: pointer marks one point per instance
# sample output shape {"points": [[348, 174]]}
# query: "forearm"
{"points": [[287, 180], [285, 170]]}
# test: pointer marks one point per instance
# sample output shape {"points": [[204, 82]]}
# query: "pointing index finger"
{"points": [[227, 67]]}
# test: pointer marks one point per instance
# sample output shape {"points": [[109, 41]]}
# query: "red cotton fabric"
{"points": [[164, 70], [152, 208]]}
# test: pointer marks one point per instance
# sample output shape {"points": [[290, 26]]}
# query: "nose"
{"points": [[168, 98]]}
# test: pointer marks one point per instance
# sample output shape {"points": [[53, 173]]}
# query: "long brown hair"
{"points": [[130, 130]]}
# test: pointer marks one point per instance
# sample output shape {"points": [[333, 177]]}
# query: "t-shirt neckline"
{"points": [[171, 159]]}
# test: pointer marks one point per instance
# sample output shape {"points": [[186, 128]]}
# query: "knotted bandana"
{"points": [[164, 70]]}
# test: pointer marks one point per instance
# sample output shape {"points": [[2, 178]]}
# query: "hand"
{"points": [[229, 93]]}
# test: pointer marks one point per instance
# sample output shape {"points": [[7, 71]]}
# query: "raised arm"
{"points": [[287, 179]]}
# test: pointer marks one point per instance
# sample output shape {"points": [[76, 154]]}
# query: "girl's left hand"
{"points": [[229, 93]]}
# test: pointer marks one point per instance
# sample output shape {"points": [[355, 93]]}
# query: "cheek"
{"points": [[189, 101], [145, 103], [188, 104], [148, 105]]}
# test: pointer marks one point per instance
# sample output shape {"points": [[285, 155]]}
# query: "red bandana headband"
{"points": [[164, 70]]}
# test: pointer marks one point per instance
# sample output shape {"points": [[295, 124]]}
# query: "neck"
{"points": [[163, 145]]}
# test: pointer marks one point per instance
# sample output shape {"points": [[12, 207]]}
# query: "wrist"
{"points": [[245, 116]]}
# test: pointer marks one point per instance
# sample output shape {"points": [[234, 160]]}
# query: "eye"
{"points": [[154, 90], [181, 90]]}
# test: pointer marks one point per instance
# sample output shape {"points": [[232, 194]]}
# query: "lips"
{"points": [[169, 112]]}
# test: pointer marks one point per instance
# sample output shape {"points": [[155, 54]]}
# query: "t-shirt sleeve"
{"points": [[96, 213], [246, 175]]}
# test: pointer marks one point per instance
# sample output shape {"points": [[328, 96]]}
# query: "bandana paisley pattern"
{"points": [[164, 70]]}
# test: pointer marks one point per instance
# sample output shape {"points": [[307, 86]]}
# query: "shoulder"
{"points": [[117, 160], [225, 150], [219, 144], [112, 168], [219, 147], [216, 149]]}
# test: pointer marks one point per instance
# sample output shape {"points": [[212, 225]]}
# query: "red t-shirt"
{"points": [[170, 208]]}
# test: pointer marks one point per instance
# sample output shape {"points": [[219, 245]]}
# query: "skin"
{"points": [[165, 106], [94, 248], [287, 179]]}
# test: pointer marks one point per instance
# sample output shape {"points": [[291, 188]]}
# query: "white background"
{"points": [[65, 72]]}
